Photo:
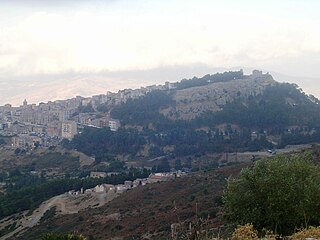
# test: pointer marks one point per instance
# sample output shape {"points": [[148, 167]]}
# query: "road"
{"points": [[64, 203]]}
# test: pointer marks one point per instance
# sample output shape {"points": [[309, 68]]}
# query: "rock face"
{"points": [[192, 102]]}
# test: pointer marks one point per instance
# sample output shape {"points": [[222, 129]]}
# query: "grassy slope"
{"points": [[147, 212]]}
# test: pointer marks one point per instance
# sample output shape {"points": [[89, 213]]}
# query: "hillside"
{"points": [[202, 123], [199, 97], [228, 112], [195, 101], [148, 211]]}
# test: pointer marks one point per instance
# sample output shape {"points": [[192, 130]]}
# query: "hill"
{"points": [[200, 123], [147, 212], [194, 101], [228, 112]]}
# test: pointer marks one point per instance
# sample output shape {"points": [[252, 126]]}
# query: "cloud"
{"points": [[121, 37]]}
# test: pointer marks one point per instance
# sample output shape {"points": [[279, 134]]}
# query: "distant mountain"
{"points": [[38, 90], [43, 88]]}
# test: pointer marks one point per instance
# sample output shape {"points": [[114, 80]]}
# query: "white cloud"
{"points": [[120, 39], [124, 35]]}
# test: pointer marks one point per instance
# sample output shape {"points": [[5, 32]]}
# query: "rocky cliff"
{"points": [[192, 102]]}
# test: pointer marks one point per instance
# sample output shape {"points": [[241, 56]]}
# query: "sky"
{"points": [[58, 49]]}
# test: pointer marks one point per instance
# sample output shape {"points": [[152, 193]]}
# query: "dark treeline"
{"points": [[103, 143], [85, 109], [28, 197], [142, 111], [186, 141], [207, 79], [268, 111], [272, 113], [299, 136]]}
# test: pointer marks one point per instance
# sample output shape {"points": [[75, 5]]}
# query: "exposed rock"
{"points": [[192, 102]]}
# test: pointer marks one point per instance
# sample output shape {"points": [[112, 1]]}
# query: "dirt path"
{"points": [[64, 203]]}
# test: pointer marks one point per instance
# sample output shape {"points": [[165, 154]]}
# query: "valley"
{"points": [[138, 163]]}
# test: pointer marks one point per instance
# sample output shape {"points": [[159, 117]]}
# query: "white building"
{"points": [[68, 129], [98, 174], [114, 125], [99, 189]]}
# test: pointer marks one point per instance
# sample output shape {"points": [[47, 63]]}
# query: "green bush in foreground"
{"points": [[280, 194]]}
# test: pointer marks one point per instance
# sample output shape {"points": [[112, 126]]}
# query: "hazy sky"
{"points": [[45, 42]]}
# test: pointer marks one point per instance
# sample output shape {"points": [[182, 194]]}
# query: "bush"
{"points": [[246, 232], [311, 232], [281, 194]]}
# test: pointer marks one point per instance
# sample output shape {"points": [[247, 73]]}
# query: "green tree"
{"points": [[280, 194]]}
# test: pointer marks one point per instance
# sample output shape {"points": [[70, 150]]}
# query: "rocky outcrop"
{"points": [[192, 102]]}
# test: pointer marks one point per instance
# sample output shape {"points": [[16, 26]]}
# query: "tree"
{"points": [[279, 194], [164, 166]]}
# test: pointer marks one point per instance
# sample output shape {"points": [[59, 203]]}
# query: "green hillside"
{"points": [[266, 115]]}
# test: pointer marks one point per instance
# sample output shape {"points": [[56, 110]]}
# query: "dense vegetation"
{"points": [[36, 190], [104, 144], [144, 110], [263, 115], [283, 111], [64, 161], [281, 194], [85, 109], [207, 79], [268, 111]]}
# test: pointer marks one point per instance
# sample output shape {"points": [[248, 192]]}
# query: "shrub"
{"points": [[280, 194], [311, 232], [245, 232]]}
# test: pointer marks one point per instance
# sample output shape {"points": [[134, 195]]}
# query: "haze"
{"points": [[58, 49]]}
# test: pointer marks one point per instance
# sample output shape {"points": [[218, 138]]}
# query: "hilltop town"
{"points": [[73, 156], [46, 124], [32, 126]]}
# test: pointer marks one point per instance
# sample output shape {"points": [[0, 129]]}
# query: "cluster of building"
{"points": [[46, 124], [127, 185]]}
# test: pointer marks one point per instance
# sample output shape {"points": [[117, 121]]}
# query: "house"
{"points": [[98, 174], [139, 181], [103, 188], [99, 189], [121, 188], [24, 141], [128, 184], [160, 177], [68, 129], [114, 125]]}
